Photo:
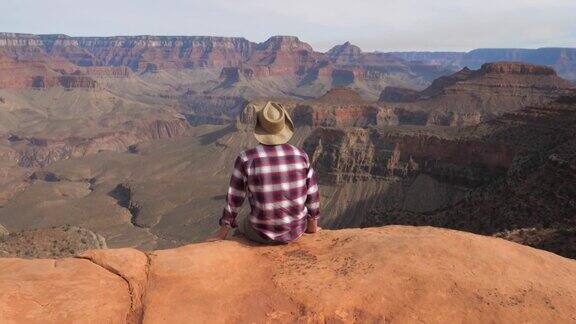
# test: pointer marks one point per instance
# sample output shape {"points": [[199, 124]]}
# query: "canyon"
{"points": [[280, 66], [116, 153], [156, 194], [561, 59], [503, 176], [134, 123]]}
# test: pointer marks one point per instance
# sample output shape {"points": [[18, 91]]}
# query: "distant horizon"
{"points": [[373, 25], [300, 39]]}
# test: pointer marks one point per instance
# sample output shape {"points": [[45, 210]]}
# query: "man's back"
{"points": [[281, 187], [279, 182]]}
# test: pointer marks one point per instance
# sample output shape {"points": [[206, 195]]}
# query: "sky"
{"points": [[383, 25]]}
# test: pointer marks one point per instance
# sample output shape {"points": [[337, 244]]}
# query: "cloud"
{"points": [[372, 24]]}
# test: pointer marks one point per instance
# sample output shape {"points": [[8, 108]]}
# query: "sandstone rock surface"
{"points": [[61, 291], [392, 274]]}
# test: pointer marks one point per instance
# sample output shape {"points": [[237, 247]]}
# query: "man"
{"points": [[279, 182]]}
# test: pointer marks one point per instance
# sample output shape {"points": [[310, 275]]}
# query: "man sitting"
{"points": [[279, 181]]}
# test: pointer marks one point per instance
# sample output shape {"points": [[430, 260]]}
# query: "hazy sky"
{"points": [[371, 24]]}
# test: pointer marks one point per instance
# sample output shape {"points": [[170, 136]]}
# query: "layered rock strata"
{"points": [[469, 97]]}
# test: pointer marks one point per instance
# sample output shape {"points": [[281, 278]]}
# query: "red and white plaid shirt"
{"points": [[281, 187]]}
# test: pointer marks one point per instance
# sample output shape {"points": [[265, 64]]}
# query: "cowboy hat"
{"points": [[273, 125]]}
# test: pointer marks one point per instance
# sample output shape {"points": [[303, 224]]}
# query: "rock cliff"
{"points": [[204, 109], [293, 65], [342, 107], [538, 192], [39, 152], [283, 55], [563, 60], [343, 155], [512, 176], [22, 74], [345, 54], [391, 274], [469, 97]]}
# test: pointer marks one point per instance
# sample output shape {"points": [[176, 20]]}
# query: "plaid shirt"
{"points": [[281, 187]]}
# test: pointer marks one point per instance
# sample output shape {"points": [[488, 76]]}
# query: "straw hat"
{"points": [[273, 125]]}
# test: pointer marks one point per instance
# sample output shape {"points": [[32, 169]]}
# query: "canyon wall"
{"points": [[469, 97], [342, 107], [538, 190], [343, 155], [284, 57], [39, 152], [563, 60], [17, 74], [218, 110], [512, 176], [404, 175]]}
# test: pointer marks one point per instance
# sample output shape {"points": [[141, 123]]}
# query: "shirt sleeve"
{"points": [[312, 196], [236, 195]]}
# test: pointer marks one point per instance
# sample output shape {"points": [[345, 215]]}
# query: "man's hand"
{"points": [[220, 235], [312, 226]]}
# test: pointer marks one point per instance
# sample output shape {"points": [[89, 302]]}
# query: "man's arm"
{"points": [[312, 202], [234, 200]]}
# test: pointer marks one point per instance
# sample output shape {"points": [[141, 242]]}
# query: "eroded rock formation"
{"points": [[38, 152], [39, 74], [341, 107], [539, 189], [563, 60], [363, 154], [514, 173], [470, 97], [217, 110], [292, 62]]}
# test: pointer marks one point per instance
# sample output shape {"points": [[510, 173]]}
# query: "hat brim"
{"points": [[281, 137]]}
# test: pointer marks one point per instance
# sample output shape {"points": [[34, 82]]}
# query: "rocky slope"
{"points": [[56, 242], [469, 97], [370, 176], [399, 172], [515, 173], [40, 74], [538, 193], [205, 109], [39, 152], [41, 127], [342, 107], [167, 180], [391, 274], [356, 154], [563, 60], [282, 65]]}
